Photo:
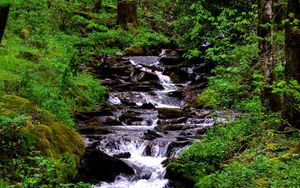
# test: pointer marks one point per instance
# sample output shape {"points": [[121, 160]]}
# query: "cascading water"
{"points": [[137, 135]]}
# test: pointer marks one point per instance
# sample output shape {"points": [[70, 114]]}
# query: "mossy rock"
{"points": [[175, 78], [42, 131], [135, 50], [179, 172], [93, 122], [170, 113], [12, 105], [57, 138]]}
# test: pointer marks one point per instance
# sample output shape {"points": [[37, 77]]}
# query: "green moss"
{"points": [[170, 113], [134, 50], [56, 138], [220, 144], [208, 99], [13, 105], [27, 130]]}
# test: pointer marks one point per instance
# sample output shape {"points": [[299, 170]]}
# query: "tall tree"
{"points": [[4, 10], [292, 53], [127, 13], [270, 100]]}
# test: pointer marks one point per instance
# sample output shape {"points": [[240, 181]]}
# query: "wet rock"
{"points": [[169, 57], [97, 166], [130, 116], [120, 70], [93, 130], [177, 74], [177, 120], [143, 88], [204, 113], [124, 86], [141, 173], [173, 147], [124, 155], [147, 106], [119, 56], [104, 110], [145, 174], [170, 113], [109, 82], [110, 120], [169, 127], [128, 103], [147, 151], [93, 122], [176, 94], [147, 76], [151, 135]]}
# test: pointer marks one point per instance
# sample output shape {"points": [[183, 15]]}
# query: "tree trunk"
{"points": [[292, 53], [4, 10], [127, 13], [98, 5], [269, 99]]}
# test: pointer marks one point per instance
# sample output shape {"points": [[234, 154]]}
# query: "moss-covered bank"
{"points": [[36, 147]]}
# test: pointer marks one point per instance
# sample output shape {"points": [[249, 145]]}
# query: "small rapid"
{"points": [[147, 124]]}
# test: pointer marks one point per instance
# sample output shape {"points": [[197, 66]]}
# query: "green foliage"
{"points": [[37, 150], [220, 144], [261, 172], [219, 26]]}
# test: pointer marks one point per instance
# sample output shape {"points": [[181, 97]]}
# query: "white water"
{"points": [[149, 164], [148, 169], [166, 82]]}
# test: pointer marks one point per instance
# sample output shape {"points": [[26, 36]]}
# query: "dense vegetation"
{"points": [[48, 47]]}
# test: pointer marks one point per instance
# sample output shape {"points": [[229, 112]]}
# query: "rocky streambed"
{"points": [[147, 119]]}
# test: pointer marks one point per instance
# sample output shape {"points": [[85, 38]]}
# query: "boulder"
{"points": [[134, 50], [169, 57], [97, 166], [147, 151], [177, 94], [147, 106], [175, 145], [147, 76], [177, 74]]}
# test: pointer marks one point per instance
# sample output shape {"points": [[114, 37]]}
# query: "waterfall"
{"points": [[138, 113]]}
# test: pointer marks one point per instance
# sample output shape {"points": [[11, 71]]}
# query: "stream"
{"points": [[149, 121]]}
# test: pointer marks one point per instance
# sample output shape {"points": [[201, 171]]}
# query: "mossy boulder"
{"points": [[135, 50], [171, 113], [56, 138], [40, 131], [12, 106]]}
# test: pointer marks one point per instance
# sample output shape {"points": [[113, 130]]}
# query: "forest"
{"points": [[149, 93]]}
